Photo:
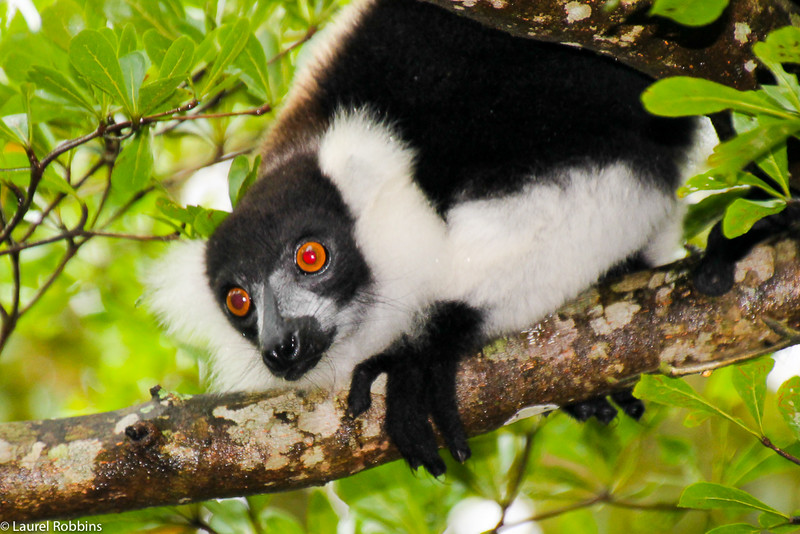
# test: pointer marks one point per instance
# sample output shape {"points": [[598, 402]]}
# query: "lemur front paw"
{"points": [[414, 394]]}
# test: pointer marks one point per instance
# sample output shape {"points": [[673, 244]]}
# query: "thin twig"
{"points": [[261, 110], [71, 250], [37, 171], [553, 513], [604, 498], [105, 129], [308, 35], [179, 175], [60, 197], [11, 317], [768, 443], [125, 207], [517, 477], [89, 233], [790, 337]]}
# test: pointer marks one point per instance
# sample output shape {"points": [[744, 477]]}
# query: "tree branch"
{"points": [[175, 450], [654, 45]]}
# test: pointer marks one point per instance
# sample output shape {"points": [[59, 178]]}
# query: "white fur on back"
{"points": [[521, 257], [516, 257]]}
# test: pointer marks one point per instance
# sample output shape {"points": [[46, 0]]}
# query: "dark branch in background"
{"points": [[654, 45], [173, 450], [112, 133]]}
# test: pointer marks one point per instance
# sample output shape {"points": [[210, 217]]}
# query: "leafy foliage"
{"points": [[108, 111], [105, 114], [690, 12], [757, 156]]}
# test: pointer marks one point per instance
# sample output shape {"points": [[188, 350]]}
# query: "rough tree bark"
{"points": [[653, 45], [175, 450]]}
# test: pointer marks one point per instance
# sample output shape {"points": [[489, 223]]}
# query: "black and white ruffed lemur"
{"points": [[429, 184]]}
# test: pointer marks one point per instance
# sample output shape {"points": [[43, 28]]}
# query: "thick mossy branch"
{"points": [[654, 45], [174, 450]]}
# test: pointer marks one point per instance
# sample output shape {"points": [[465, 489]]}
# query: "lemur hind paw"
{"points": [[602, 410]]}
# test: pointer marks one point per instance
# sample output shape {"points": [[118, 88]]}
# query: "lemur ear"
{"points": [[363, 155]]}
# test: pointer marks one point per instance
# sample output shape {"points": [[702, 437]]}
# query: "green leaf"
{"points": [[750, 381], [789, 403], [26, 89], [682, 96], [134, 165], [735, 528], [154, 94], [59, 85], [178, 59], [690, 12], [226, 83], [745, 178], [784, 528], [206, 50], [241, 177], [202, 221], [237, 174], [15, 128], [60, 21], [776, 164], [780, 96], [127, 41], [134, 67], [111, 37], [321, 518], [743, 213], [781, 45], [733, 155], [707, 181], [276, 520], [233, 39], [51, 181], [156, 46], [676, 392], [206, 220], [94, 58], [253, 62], [786, 81], [93, 10], [671, 391], [710, 496]]}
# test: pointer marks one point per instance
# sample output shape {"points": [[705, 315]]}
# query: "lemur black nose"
{"points": [[280, 357]]}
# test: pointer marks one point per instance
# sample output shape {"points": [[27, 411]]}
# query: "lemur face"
{"points": [[286, 280]]}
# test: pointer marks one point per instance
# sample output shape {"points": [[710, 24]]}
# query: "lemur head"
{"points": [[284, 265], [326, 260]]}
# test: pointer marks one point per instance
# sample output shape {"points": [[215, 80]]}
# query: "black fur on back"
{"points": [[485, 110]]}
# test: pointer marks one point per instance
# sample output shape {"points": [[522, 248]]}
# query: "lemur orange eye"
{"points": [[238, 301], [311, 257]]}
